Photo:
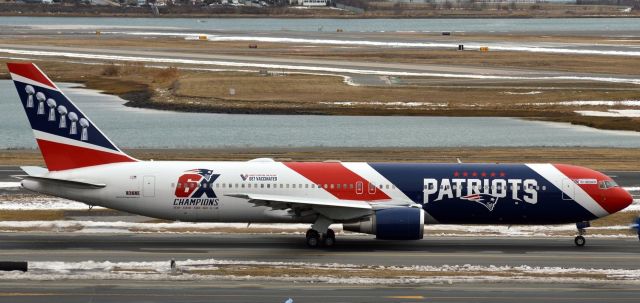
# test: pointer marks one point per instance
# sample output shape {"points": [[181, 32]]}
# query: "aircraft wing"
{"points": [[333, 209]]}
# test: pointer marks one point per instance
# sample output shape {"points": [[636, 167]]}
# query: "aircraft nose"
{"points": [[617, 199]]}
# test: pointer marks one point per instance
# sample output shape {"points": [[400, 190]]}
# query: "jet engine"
{"points": [[397, 223]]}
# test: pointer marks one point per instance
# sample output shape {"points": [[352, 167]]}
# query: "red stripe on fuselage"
{"points": [[60, 156], [29, 71], [334, 174], [577, 172]]}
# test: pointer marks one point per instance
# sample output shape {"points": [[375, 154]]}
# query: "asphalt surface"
{"points": [[70, 247], [362, 250], [221, 291]]}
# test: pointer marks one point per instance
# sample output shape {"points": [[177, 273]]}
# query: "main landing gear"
{"points": [[320, 234], [582, 230], [314, 239]]}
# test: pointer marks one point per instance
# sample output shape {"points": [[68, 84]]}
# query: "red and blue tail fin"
{"points": [[67, 138]]}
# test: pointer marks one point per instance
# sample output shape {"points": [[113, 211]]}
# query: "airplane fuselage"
{"points": [[448, 193]]}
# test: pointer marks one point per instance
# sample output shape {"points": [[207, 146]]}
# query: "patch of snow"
{"points": [[160, 270], [9, 184], [535, 92], [589, 103], [631, 113], [41, 203], [400, 104]]}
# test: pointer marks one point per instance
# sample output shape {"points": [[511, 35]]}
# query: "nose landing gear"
{"points": [[582, 230]]}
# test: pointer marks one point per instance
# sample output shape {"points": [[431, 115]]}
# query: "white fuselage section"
{"points": [[149, 188]]}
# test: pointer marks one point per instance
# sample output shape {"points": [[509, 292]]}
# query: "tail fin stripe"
{"points": [[70, 156], [62, 140], [31, 72], [28, 81]]}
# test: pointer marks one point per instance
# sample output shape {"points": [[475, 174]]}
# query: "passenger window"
{"points": [[338, 186], [326, 186], [179, 185]]}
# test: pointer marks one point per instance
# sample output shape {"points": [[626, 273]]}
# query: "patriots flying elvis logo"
{"points": [[195, 188], [487, 200]]}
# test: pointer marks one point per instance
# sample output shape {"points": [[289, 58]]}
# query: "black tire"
{"points": [[331, 234], [329, 241], [580, 241], [313, 238]]}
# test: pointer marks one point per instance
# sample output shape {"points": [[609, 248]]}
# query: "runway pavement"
{"points": [[350, 249], [69, 247], [264, 292]]}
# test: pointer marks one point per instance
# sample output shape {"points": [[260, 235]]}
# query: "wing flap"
{"points": [[275, 201]]}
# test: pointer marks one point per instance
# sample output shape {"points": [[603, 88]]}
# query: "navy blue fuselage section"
{"points": [[483, 193], [51, 112]]}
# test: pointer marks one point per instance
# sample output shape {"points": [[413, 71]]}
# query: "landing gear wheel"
{"points": [[313, 238], [580, 241], [330, 238]]}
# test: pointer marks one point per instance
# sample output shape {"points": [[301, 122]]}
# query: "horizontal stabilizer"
{"points": [[35, 171], [71, 183]]}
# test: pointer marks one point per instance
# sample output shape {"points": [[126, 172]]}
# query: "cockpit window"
{"points": [[607, 184]]}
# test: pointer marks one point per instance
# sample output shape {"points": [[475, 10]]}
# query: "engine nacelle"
{"points": [[398, 223]]}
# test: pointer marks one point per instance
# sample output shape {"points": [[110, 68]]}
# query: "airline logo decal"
{"points": [[484, 191], [487, 200], [195, 188], [259, 177]]}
